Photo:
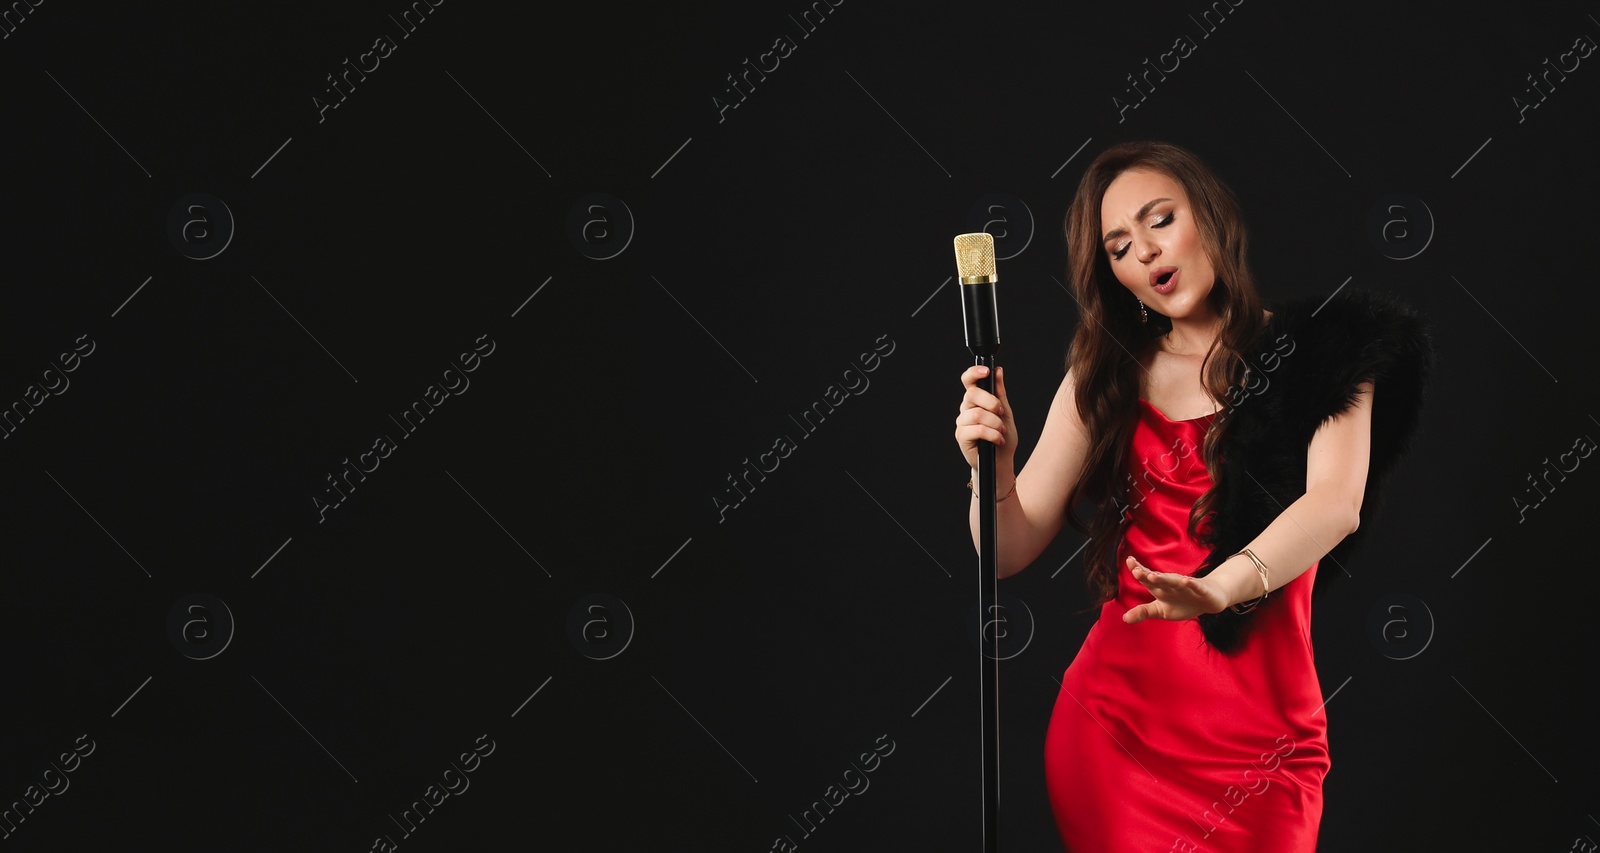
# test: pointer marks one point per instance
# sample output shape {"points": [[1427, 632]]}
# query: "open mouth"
{"points": [[1164, 277]]}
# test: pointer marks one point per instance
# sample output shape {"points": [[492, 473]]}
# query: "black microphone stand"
{"points": [[983, 339], [988, 597]]}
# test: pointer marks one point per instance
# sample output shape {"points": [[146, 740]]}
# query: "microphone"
{"points": [[975, 266]]}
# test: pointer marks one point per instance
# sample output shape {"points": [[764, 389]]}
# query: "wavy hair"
{"points": [[1110, 345]]}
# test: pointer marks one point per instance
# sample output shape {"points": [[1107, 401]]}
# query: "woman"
{"points": [[1224, 451]]}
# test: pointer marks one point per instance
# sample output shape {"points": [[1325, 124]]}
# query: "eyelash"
{"points": [[1165, 221]]}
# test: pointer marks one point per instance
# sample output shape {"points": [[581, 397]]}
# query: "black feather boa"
{"points": [[1304, 370]]}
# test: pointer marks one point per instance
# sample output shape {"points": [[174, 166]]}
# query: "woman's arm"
{"points": [[1306, 530], [1030, 519]]}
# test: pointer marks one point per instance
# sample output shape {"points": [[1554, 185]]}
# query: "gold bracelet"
{"points": [[1261, 569], [1008, 494]]}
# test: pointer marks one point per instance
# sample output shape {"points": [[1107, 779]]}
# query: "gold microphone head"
{"points": [[975, 258]]}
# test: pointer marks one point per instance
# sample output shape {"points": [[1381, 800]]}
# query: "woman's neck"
{"points": [[1193, 334]]}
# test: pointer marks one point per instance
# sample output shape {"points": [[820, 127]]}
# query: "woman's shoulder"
{"points": [[1321, 348]]}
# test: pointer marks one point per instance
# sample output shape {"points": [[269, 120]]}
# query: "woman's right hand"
{"points": [[985, 417]]}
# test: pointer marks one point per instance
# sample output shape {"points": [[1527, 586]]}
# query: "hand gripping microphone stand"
{"points": [[975, 265]]}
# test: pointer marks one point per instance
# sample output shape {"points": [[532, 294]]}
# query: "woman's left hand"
{"points": [[1177, 596]]}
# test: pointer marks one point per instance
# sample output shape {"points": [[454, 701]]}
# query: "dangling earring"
{"points": [[1144, 314]]}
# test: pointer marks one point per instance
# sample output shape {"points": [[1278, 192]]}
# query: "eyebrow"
{"points": [[1118, 232]]}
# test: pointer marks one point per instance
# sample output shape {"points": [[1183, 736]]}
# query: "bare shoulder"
{"points": [[1054, 466], [1064, 441], [1065, 407], [1339, 454]]}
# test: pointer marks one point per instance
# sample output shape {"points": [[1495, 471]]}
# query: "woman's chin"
{"points": [[1185, 307]]}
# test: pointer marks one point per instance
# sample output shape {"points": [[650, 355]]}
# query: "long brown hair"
{"points": [[1111, 344]]}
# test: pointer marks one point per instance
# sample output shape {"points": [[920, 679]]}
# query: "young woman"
{"points": [[1224, 451]]}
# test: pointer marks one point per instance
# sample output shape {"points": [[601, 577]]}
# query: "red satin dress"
{"points": [[1157, 741]]}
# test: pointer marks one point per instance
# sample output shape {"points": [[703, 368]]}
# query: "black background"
{"points": [[773, 243]]}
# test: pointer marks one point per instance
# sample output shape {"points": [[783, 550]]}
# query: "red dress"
{"points": [[1157, 741]]}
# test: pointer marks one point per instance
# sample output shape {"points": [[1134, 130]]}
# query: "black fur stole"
{"points": [[1303, 371]]}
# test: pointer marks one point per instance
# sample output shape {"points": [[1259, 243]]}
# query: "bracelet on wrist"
{"points": [[974, 488], [1266, 587]]}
